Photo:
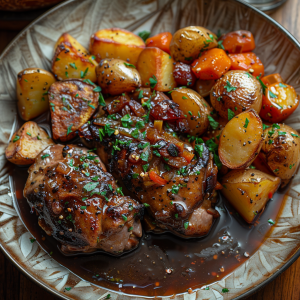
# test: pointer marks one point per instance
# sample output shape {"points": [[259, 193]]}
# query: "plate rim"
{"points": [[57, 293]]}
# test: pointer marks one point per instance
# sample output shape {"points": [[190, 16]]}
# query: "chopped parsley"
{"points": [[153, 81], [282, 85], [44, 156], [144, 34], [230, 114], [214, 124], [69, 130], [246, 123], [16, 138], [129, 65], [73, 66], [83, 74], [97, 89], [229, 87], [271, 221], [272, 95], [90, 186]]}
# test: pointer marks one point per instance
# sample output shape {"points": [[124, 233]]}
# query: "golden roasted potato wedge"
{"points": [[236, 91], [188, 42], [248, 191], [116, 76], [27, 143], [156, 69], [71, 60], [281, 150], [32, 89], [241, 140], [116, 43], [72, 103], [194, 107]]}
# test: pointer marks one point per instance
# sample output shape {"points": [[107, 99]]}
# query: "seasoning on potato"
{"points": [[187, 43], [236, 92], [241, 140], [249, 190], [280, 151], [72, 60], [32, 92], [194, 107], [27, 143], [116, 76]]}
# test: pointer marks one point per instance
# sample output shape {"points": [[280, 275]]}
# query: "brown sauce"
{"points": [[163, 264]]}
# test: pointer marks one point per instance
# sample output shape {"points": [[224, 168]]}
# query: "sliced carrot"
{"points": [[272, 78], [247, 62], [158, 124], [188, 156], [161, 41], [238, 41], [156, 178], [212, 64]]}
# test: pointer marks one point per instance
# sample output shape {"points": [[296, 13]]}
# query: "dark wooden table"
{"points": [[15, 286]]}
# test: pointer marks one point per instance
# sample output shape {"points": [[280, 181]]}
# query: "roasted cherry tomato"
{"points": [[161, 41], [279, 101], [272, 78], [183, 75], [212, 64], [247, 62], [238, 41]]}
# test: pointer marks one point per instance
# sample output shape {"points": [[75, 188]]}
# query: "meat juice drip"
{"points": [[163, 264]]}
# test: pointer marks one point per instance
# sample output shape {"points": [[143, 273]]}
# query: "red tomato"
{"points": [[247, 62], [183, 75], [238, 41], [279, 102], [161, 41], [212, 64]]}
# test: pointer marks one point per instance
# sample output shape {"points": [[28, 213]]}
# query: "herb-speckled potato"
{"points": [[194, 107], [237, 91], [71, 60], [32, 88], [116, 76], [203, 87], [72, 104], [248, 191], [27, 143], [188, 42], [156, 69], [241, 140], [281, 151], [116, 43]]}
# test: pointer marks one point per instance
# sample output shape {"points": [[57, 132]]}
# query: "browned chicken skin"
{"points": [[183, 201], [79, 203]]}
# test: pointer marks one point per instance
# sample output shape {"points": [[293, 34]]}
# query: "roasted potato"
{"points": [[27, 143], [116, 76], [116, 43], [203, 87], [72, 104], [194, 107], [71, 60], [248, 191], [156, 69], [281, 150], [241, 140], [32, 89], [237, 91], [188, 42]]}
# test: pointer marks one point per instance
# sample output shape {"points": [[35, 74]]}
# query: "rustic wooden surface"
{"points": [[15, 286]]}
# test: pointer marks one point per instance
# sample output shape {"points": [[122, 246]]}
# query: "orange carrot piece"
{"points": [[247, 62], [156, 178], [238, 41], [212, 64], [188, 156], [161, 41], [272, 78]]}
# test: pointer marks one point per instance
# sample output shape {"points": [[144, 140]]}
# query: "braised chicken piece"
{"points": [[79, 203], [139, 147]]}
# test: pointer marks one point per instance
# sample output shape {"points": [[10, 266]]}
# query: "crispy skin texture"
{"points": [[30, 140], [180, 196], [72, 103], [78, 203], [32, 86], [238, 91]]}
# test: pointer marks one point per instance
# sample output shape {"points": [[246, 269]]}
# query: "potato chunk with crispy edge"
{"points": [[116, 43], [72, 103], [71, 60], [27, 143], [32, 88], [156, 69], [249, 190]]}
